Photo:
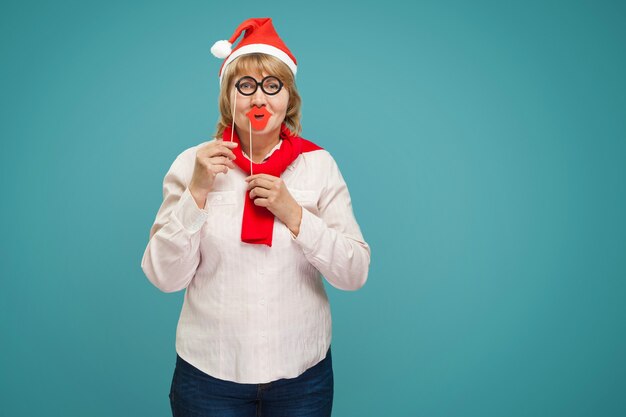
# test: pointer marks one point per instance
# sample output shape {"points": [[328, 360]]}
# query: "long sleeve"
{"points": [[253, 313], [333, 242], [172, 255]]}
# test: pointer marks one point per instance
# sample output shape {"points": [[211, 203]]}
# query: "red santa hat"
{"points": [[260, 36]]}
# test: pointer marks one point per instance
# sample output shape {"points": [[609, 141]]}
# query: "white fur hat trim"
{"points": [[221, 49]]}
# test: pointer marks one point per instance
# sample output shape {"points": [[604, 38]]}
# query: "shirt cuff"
{"points": [[311, 229], [188, 214]]}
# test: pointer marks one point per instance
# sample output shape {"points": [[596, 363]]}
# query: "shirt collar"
{"points": [[280, 141]]}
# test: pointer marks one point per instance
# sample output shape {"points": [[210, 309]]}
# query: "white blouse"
{"points": [[254, 313]]}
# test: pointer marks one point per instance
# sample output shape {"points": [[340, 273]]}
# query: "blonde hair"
{"points": [[259, 63]]}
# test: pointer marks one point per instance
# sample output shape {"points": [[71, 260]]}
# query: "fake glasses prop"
{"points": [[270, 85]]}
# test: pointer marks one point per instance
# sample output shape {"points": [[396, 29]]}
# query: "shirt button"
{"points": [[262, 302], [218, 198]]}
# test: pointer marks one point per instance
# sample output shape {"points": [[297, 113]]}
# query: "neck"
{"points": [[262, 143]]}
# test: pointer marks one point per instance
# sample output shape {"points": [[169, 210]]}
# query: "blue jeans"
{"points": [[195, 393]]}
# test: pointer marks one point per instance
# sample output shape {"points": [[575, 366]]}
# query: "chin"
{"points": [[266, 129]]}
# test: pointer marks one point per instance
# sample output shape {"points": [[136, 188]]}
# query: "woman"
{"points": [[249, 223]]}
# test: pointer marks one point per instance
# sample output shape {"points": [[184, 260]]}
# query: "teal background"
{"points": [[483, 143]]}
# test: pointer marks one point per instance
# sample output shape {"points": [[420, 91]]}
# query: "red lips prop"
{"points": [[259, 116]]}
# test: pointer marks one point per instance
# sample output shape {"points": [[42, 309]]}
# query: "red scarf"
{"points": [[258, 222]]}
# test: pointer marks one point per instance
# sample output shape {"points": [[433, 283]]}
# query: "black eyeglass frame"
{"points": [[259, 84]]}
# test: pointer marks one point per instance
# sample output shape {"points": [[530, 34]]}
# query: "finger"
{"points": [[221, 160], [265, 176], [219, 169], [228, 163], [218, 142], [263, 202], [231, 144], [221, 151], [260, 182], [259, 192], [217, 147]]}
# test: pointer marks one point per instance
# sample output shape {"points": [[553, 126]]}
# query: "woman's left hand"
{"points": [[271, 192]]}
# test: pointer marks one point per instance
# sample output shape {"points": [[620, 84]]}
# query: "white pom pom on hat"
{"points": [[221, 49], [259, 37]]}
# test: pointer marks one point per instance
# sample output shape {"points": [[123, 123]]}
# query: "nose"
{"points": [[258, 98]]}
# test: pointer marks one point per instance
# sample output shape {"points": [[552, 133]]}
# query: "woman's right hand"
{"points": [[213, 158]]}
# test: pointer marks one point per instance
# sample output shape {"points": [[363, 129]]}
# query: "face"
{"points": [[262, 112]]}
